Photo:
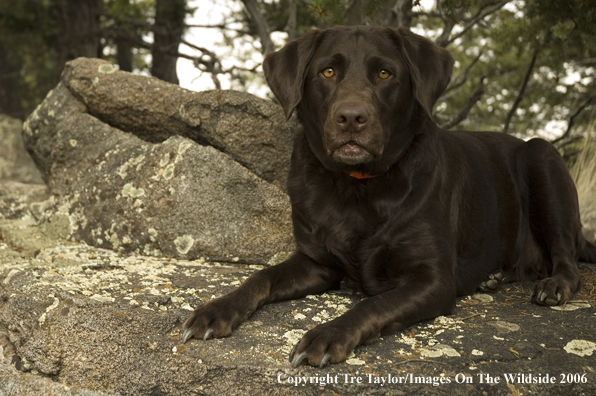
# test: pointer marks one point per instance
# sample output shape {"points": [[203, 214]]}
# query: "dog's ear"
{"points": [[430, 67], [285, 69]]}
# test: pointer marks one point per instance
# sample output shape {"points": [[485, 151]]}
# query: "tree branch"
{"points": [[212, 65], [208, 60], [461, 79], [448, 22], [585, 62], [262, 26], [484, 12], [221, 27], [202, 49], [522, 89], [415, 14], [559, 141], [463, 114]]}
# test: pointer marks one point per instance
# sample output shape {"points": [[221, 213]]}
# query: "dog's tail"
{"points": [[588, 255]]}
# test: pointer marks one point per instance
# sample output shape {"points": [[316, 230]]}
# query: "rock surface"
{"points": [[19, 199], [173, 198], [79, 320], [15, 162], [251, 130]]}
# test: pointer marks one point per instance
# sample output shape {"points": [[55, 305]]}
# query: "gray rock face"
{"points": [[171, 197], [250, 130], [15, 163], [18, 199]]}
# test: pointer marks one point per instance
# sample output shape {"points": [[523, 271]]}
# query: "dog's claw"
{"points": [[542, 296], [297, 361], [552, 301], [497, 276], [188, 333], [325, 360], [208, 334], [492, 284], [292, 352]]}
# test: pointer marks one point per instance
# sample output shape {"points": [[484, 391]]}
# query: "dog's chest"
{"points": [[334, 230]]}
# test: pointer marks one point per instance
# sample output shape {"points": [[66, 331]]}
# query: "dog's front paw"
{"points": [[216, 319], [326, 343], [556, 290], [492, 283]]}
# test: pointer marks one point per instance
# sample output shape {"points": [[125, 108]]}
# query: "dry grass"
{"points": [[588, 291], [584, 176]]}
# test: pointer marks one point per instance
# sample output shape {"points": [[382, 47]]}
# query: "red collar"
{"points": [[361, 175]]}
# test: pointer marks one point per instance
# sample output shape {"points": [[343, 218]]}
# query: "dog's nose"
{"points": [[351, 117]]}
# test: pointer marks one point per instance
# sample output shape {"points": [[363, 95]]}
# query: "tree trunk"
{"points": [[123, 53], [393, 14], [78, 31], [262, 26], [403, 9], [291, 25], [10, 98], [354, 12], [167, 33]]}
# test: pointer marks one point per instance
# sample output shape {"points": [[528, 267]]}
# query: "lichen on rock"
{"points": [[115, 183]]}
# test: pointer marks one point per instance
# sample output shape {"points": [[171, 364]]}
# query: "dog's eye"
{"points": [[328, 72], [384, 74]]}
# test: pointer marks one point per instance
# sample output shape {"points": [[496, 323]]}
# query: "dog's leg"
{"points": [[416, 300], [296, 277], [554, 220]]}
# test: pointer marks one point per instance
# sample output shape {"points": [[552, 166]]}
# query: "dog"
{"points": [[413, 215]]}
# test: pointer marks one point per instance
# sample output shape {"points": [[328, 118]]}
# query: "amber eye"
{"points": [[384, 74], [328, 72]]}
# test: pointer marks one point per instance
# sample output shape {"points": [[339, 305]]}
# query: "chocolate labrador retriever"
{"points": [[412, 214]]}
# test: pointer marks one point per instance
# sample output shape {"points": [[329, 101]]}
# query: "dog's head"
{"points": [[359, 91]]}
